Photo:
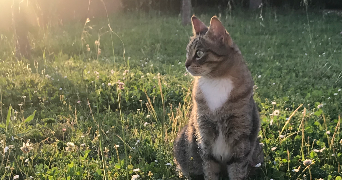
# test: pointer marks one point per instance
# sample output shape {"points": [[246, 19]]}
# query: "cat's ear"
{"points": [[218, 32], [198, 27]]}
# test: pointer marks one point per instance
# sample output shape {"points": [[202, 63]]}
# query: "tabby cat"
{"points": [[222, 134]]}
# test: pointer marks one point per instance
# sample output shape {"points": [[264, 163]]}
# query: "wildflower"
{"points": [[27, 147], [179, 62], [295, 170], [65, 77], [16, 177], [23, 97], [339, 90], [6, 149], [136, 170], [335, 94], [63, 129], [156, 161], [262, 144], [148, 116], [274, 103], [320, 106], [276, 113], [121, 85], [307, 162], [274, 148], [258, 165], [60, 89], [88, 20], [135, 177], [26, 160], [125, 72], [71, 146], [97, 73], [168, 164], [281, 136], [259, 76], [116, 146], [97, 42], [78, 102], [146, 124], [82, 145], [112, 71], [328, 132]]}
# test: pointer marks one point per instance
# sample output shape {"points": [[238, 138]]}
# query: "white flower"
{"points": [[146, 124], [16, 177], [258, 165], [320, 106], [156, 161], [65, 77], [148, 116], [281, 136], [335, 94], [109, 84], [339, 90], [274, 103], [276, 113], [138, 141], [116, 146], [295, 170], [6, 149], [27, 147], [262, 144], [259, 76], [26, 160], [135, 177], [307, 162], [60, 89], [136, 170], [168, 164], [70, 144], [328, 132], [274, 148]]}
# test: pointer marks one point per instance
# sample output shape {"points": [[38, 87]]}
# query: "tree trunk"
{"points": [[254, 4], [20, 25], [186, 12]]}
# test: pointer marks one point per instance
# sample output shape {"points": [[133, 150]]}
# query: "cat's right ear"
{"points": [[198, 27]]}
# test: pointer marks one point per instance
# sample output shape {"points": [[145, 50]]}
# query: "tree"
{"points": [[186, 12]]}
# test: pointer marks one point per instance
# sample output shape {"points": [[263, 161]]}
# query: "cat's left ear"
{"points": [[198, 27], [217, 32]]}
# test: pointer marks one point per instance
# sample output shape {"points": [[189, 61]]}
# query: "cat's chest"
{"points": [[215, 91]]}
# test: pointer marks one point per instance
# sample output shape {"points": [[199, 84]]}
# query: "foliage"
{"points": [[94, 103]]}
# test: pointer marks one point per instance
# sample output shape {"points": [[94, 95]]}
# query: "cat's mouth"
{"points": [[195, 71]]}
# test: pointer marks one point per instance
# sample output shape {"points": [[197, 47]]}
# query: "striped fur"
{"points": [[221, 136]]}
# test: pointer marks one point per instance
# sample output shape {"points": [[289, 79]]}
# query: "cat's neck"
{"points": [[216, 91]]}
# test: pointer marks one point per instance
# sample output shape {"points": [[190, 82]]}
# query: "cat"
{"points": [[222, 134]]}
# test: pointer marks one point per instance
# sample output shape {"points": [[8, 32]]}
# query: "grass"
{"points": [[114, 115]]}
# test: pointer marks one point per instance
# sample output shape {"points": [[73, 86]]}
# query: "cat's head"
{"points": [[211, 50]]}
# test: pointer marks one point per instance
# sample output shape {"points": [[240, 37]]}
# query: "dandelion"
{"points": [[136, 170], [135, 177], [274, 148], [274, 103], [27, 147], [16, 177], [276, 113], [307, 162], [258, 165]]}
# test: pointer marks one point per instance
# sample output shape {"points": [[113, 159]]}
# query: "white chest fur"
{"points": [[216, 91], [220, 149]]}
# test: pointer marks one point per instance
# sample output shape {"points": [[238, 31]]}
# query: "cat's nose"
{"points": [[187, 64]]}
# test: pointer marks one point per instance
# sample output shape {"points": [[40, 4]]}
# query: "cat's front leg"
{"points": [[211, 168], [238, 167]]}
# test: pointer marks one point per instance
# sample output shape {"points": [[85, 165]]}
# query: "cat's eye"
{"points": [[199, 54]]}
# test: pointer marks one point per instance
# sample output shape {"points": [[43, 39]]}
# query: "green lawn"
{"points": [[115, 114]]}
